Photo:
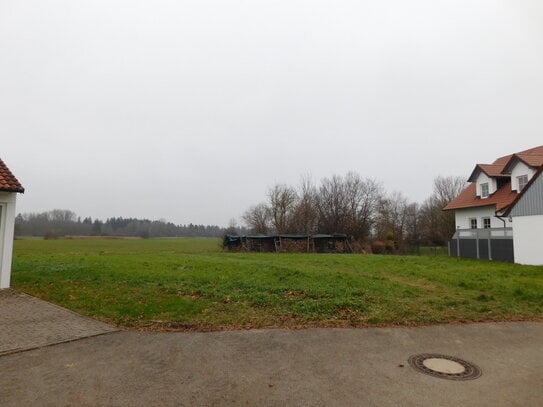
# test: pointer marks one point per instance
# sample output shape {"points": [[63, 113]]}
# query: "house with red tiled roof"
{"points": [[500, 210], [9, 187]]}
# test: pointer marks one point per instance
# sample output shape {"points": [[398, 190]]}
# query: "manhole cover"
{"points": [[446, 367]]}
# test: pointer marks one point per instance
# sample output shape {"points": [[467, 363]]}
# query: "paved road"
{"points": [[27, 322], [313, 367]]}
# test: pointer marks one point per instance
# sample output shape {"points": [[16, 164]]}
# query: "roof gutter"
{"points": [[18, 190]]}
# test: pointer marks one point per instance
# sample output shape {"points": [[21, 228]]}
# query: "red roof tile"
{"points": [[8, 182], [534, 160], [533, 157], [502, 160], [492, 170], [503, 197]]}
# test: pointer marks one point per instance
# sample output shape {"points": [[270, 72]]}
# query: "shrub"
{"points": [[378, 247], [360, 246], [52, 234], [390, 246]]}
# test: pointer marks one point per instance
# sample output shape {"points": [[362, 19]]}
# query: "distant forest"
{"points": [[350, 204], [62, 222]]}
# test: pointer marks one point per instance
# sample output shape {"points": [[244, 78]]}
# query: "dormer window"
{"points": [[484, 190], [522, 181]]}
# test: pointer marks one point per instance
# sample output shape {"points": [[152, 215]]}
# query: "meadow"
{"points": [[191, 284]]}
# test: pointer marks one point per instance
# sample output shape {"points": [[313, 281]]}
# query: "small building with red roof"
{"points": [[9, 188], [500, 196]]}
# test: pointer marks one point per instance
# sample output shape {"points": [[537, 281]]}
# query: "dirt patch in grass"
{"points": [[293, 294], [413, 283], [295, 324]]}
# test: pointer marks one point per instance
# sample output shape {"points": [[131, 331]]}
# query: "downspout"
{"points": [[504, 232], [502, 219]]}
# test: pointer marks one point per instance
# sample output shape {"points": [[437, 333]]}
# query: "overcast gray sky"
{"points": [[190, 110]]}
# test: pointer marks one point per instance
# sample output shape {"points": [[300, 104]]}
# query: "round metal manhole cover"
{"points": [[445, 367]]}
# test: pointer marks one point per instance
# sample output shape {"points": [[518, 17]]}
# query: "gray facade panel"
{"points": [[500, 249], [483, 249], [453, 246], [468, 248], [531, 203]]}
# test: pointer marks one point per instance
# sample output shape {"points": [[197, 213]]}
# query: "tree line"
{"points": [[359, 207], [350, 204], [63, 222]]}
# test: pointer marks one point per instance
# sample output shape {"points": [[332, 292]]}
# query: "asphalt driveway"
{"points": [[312, 367], [27, 322]]}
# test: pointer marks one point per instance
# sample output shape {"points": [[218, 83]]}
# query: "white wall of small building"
{"points": [[7, 226], [518, 170], [463, 216], [482, 179], [527, 242]]}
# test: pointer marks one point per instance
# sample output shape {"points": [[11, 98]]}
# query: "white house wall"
{"points": [[7, 225], [482, 179], [518, 170], [463, 216], [527, 242]]}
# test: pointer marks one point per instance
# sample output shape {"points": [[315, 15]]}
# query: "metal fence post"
{"points": [[458, 241], [477, 243]]}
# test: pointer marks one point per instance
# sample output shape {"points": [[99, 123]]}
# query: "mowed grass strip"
{"points": [[191, 284]]}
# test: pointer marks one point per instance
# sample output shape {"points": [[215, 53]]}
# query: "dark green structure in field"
{"points": [[319, 243]]}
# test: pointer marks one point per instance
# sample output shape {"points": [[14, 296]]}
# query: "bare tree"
{"points": [[412, 226], [62, 215], [305, 214], [393, 217], [358, 207], [257, 218], [348, 205], [232, 228], [282, 202], [431, 222], [331, 205], [438, 225], [448, 188], [362, 198]]}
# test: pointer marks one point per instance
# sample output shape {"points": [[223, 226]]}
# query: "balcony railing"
{"points": [[491, 233], [491, 244]]}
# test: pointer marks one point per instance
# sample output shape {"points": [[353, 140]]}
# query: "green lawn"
{"points": [[192, 284]]}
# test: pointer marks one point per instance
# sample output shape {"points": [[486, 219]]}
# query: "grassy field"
{"points": [[185, 284]]}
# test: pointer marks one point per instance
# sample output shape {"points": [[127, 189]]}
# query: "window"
{"points": [[486, 223], [522, 181], [473, 223], [484, 190]]}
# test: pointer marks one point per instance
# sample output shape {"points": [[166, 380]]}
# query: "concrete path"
{"points": [[313, 367], [27, 323]]}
